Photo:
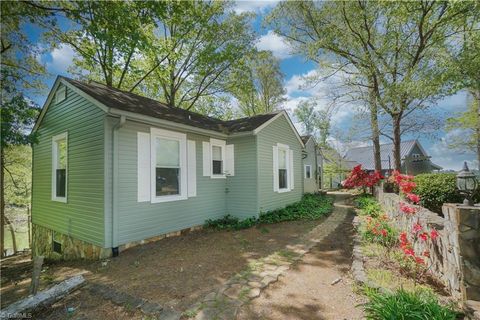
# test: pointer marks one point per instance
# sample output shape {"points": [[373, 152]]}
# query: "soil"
{"points": [[174, 272], [307, 291]]}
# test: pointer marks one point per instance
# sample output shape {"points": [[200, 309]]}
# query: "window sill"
{"points": [[218, 176], [284, 190], [57, 199], [168, 199]]}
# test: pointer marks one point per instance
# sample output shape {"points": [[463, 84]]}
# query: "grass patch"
{"points": [[311, 207], [403, 304]]}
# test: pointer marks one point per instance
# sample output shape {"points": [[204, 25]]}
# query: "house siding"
{"points": [[141, 220], [417, 167], [278, 131], [82, 217], [242, 198], [310, 185]]}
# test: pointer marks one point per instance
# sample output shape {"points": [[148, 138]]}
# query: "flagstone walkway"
{"points": [[308, 280]]}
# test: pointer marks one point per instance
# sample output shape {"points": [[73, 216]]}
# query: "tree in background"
{"points": [[468, 137], [316, 122], [20, 70], [257, 84]]}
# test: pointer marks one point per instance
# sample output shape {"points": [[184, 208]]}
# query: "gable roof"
{"points": [[112, 98], [364, 155], [306, 138]]}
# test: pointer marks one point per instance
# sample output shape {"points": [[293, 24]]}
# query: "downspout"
{"points": [[115, 129]]}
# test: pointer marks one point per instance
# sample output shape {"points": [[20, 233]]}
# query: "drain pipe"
{"points": [[115, 171]]}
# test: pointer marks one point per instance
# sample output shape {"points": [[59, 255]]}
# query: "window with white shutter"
{"points": [[282, 168]]}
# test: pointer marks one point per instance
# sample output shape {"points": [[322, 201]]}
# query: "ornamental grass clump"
{"points": [[419, 304]]}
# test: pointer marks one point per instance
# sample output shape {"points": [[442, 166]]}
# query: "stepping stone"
{"points": [[255, 292], [233, 291], [150, 308]]}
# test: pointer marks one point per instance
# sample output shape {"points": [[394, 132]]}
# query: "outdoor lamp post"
{"points": [[467, 184]]}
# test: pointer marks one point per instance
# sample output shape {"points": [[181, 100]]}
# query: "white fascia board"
{"points": [[282, 113]]}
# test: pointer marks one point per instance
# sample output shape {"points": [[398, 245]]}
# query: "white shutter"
{"points": [[291, 169], [191, 169], [207, 165], [230, 160], [143, 166], [275, 168]]}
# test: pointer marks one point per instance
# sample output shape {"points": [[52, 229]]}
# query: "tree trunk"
{"points": [[375, 136], [397, 161], [2, 202], [477, 129], [372, 96], [12, 234]]}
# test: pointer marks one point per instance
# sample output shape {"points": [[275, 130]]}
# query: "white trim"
{"points": [[230, 160], [288, 167], [222, 144], [143, 167], [305, 171], [192, 168], [284, 113], [206, 159], [182, 138], [55, 139]]}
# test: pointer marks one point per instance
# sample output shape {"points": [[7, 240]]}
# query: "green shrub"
{"points": [[435, 189], [311, 207], [420, 304], [368, 206]]}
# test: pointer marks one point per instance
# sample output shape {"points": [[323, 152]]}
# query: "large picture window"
{"points": [[59, 167], [169, 171]]}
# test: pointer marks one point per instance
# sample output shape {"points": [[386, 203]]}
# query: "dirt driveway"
{"points": [[306, 290]]}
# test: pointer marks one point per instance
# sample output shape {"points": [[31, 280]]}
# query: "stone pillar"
{"points": [[466, 222]]}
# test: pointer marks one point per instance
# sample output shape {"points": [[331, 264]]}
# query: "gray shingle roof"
{"points": [[364, 155], [127, 101]]}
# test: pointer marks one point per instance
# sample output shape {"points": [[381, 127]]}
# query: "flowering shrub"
{"points": [[405, 208], [379, 230], [411, 260], [406, 186], [359, 178]]}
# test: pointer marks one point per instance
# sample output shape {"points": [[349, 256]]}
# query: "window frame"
{"points": [[183, 185], [286, 148], [222, 144], [55, 140], [309, 171]]}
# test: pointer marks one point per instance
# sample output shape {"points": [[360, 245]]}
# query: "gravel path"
{"points": [[306, 290]]}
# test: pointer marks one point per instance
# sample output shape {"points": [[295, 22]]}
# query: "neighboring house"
{"points": [[415, 159], [112, 169], [310, 167]]}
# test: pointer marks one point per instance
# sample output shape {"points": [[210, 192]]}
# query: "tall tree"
{"points": [[109, 39], [320, 32], [316, 121], [257, 84], [20, 70], [392, 45], [203, 40]]}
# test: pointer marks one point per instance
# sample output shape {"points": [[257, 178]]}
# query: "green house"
{"points": [[112, 169]]}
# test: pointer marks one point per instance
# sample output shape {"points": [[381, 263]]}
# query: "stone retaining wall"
{"points": [[455, 254]]}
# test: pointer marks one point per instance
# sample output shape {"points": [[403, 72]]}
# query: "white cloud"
{"points": [[61, 59], [450, 159], [261, 6], [275, 43]]}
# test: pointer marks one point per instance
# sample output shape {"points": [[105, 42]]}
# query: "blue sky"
{"points": [[294, 69]]}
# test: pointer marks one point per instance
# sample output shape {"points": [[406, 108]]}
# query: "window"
{"points": [[59, 167], [168, 166], [282, 168], [218, 158], [56, 242], [60, 95], [308, 171]]}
